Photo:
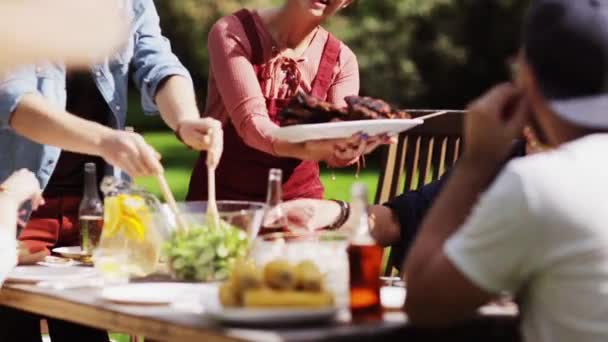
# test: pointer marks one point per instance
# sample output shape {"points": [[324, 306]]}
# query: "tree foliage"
{"points": [[415, 53]]}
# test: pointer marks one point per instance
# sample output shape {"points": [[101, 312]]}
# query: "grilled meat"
{"points": [[306, 109]]}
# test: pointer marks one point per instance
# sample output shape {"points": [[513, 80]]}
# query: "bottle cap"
{"points": [[275, 174], [90, 167], [359, 191]]}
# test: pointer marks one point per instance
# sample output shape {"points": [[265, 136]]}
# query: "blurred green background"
{"points": [[413, 53]]}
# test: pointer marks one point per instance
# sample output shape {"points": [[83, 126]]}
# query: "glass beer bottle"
{"points": [[90, 212], [364, 257], [275, 220]]}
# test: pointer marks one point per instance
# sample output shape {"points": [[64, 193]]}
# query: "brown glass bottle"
{"points": [[90, 212], [277, 223], [364, 257]]}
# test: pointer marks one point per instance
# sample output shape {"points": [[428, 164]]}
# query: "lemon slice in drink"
{"points": [[126, 213]]}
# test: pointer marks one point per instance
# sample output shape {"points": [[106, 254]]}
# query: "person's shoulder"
{"points": [[228, 23], [227, 30]]}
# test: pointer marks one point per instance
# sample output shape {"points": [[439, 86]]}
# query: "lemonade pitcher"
{"points": [[132, 233]]}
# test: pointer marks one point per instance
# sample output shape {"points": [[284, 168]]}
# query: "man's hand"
{"points": [[203, 134], [494, 121], [130, 152], [22, 186]]}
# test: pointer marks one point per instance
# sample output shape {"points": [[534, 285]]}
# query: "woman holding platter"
{"points": [[259, 60]]}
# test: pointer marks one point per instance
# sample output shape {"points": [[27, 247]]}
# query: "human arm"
{"points": [[125, 150], [21, 186], [76, 32], [439, 292], [177, 104], [166, 86]]}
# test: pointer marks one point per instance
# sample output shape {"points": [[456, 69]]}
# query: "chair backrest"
{"points": [[422, 154]]}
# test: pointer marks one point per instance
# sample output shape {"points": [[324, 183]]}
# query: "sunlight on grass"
{"points": [[179, 161]]}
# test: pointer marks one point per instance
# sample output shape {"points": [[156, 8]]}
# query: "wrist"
{"points": [[178, 133], [101, 141], [343, 216], [289, 150]]}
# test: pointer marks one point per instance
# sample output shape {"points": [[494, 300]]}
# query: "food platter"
{"points": [[344, 129]]}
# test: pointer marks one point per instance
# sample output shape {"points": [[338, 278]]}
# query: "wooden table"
{"points": [[84, 306]]}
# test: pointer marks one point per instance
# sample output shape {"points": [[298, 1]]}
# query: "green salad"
{"points": [[204, 253]]}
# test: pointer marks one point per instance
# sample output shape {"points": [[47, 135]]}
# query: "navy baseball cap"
{"points": [[566, 44]]}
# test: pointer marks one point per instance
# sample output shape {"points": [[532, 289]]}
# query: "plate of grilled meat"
{"points": [[307, 118]]}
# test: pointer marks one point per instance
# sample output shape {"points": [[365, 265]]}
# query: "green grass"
{"points": [[179, 161], [119, 337]]}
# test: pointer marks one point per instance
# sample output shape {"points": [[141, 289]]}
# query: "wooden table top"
{"points": [[164, 323]]}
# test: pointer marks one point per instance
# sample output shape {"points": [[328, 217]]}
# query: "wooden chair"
{"points": [[422, 155]]}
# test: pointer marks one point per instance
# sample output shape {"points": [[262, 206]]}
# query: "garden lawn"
{"points": [[179, 161]]}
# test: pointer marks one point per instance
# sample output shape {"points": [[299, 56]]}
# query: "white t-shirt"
{"points": [[541, 233], [8, 252]]}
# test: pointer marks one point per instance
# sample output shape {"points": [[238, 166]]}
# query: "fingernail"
{"points": [[364, 137]]}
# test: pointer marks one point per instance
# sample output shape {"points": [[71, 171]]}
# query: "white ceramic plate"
{"points": [[35, 274], [53, 261], [74, 252], [154, 293], [345, 129], [270, 316]]}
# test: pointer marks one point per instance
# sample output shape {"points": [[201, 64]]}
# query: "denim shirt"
{"points": [[147, 56]]}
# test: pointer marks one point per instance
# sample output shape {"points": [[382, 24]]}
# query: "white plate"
{"points": [[345, 129], [35, 274], [53, 261], [270, 316], [74, 252], [153, 293]]}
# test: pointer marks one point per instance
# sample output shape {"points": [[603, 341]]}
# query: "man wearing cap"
{"points": [[536, 227]]}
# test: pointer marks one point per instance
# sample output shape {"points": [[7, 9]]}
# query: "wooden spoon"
{"points": [[168, 195], [182, 227], [213, 215]]}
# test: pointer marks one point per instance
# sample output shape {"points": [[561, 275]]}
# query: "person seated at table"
{"points": [[259, 60], [20, 187], [536, 227], [393, 224]]}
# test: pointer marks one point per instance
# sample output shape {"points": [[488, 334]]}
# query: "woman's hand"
{"points": [[307, 214], [203, 134], [30, 257], [335, 152], [349, 152]]}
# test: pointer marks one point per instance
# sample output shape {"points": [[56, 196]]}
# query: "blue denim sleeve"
{"points": [[12, 88], [153, 59]]}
